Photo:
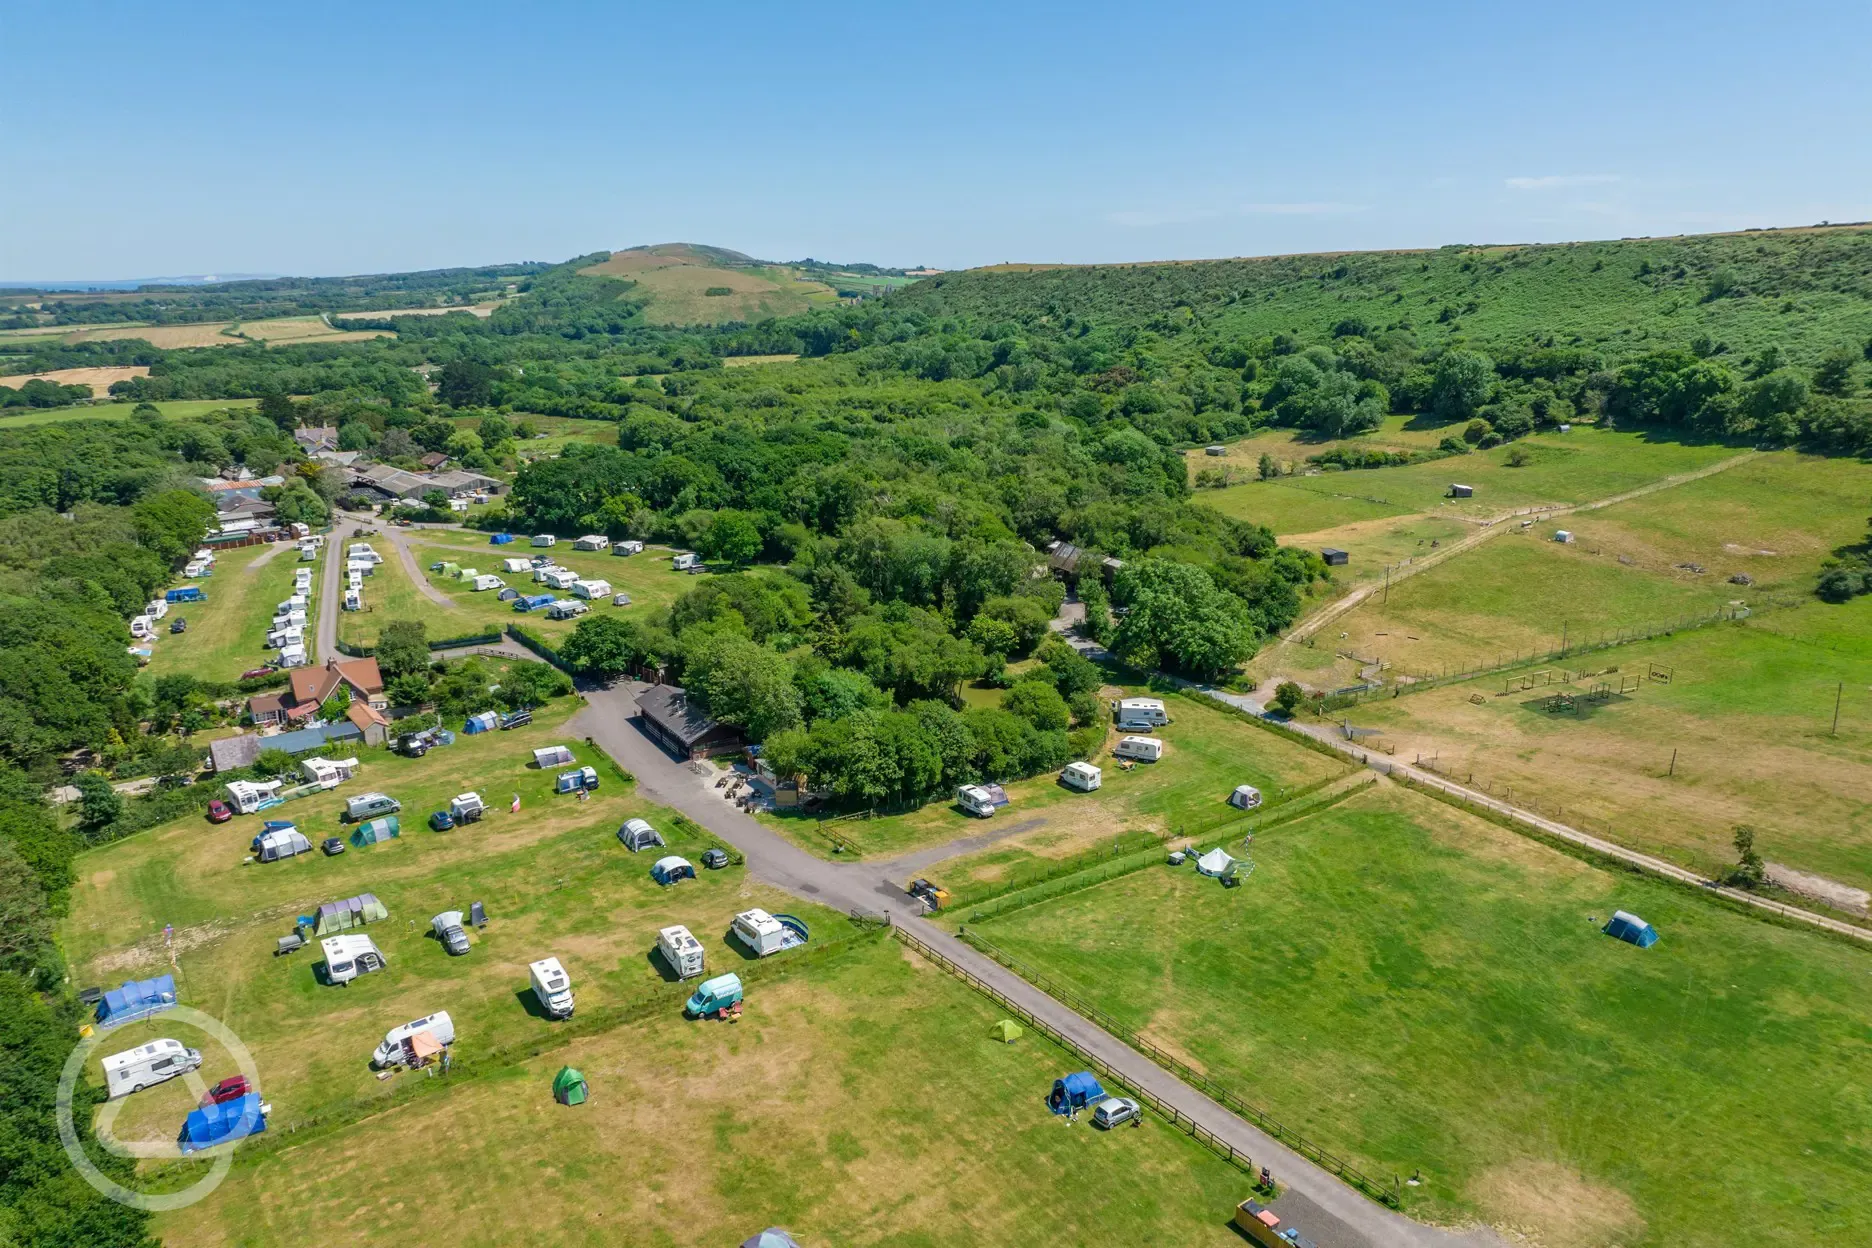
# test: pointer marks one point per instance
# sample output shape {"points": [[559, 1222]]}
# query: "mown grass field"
{"points": [[174, 409], [227, 634], [1422, 991], [1207, 753], [1748, 714], [553, 877], [859, 1101], [1582, 466]]}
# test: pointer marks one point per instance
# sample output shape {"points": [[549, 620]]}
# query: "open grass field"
{"points": [[284, 329], [390, 595], [754, 361], [99, 379], [859, 1101], [174, 409], [1582, 466], [1207, 753], [677, 276], [553, 877], [1748, 713], [1420, 990], [227, 634], [559, 431], [483, 310]]}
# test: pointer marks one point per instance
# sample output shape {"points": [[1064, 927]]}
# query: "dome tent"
{"points": [[1631, 929], [772, 1237], [569, 1087], [1075, 1091]]}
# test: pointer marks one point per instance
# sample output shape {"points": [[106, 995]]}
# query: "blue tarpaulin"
{"points": [[1075, 1091], [138, 998], [217, 1124], [1631, 929]]}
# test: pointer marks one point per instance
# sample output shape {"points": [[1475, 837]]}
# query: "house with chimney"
{"points": [[312, 687]]}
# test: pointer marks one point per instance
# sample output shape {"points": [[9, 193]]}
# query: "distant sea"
{"points": [[131, 283]]}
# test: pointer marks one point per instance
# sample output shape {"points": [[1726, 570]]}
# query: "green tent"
{"points": [[451, 569], [1007, 1031], [569, 1087], [372, 831]]}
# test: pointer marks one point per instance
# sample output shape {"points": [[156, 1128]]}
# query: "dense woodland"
{"points": [[878, 513]]}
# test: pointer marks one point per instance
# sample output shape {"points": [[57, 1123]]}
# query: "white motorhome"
{"points": [[1140, 712], [348, 956], [1081, 776], [977, 801], [685, 562], [591, 541], [682, 951], [370, 806], [591, 590], [552, 987], [148, 1065], [488, 582], [760, 932], [544, 539], [392, 1053], [354, 600], [1143, 749]]}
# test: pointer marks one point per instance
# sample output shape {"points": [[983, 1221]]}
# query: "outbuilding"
{"points": [[1461, 491], [1217, 449], [1334, 557], [681, 726]]}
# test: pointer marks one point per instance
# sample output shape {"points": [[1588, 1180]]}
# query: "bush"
{"points": [[1288, 696]]}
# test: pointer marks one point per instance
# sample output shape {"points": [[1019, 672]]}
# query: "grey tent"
{"points": [[636, 835], [280, 843], [772, 1237]]}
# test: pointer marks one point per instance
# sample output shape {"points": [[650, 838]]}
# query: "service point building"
{"points": [[681, 726]]}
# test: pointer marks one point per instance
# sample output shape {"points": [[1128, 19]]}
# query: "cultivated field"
{"points": [[1429, 994], [482, 310], [859, 1101], [227, 634], [285, 329], [1207, 753], [99, 379]]}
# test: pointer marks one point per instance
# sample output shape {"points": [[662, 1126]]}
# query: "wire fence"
{"points": [[1387, 1194]]}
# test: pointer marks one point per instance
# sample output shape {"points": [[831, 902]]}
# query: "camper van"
{"points": [[148, 1065], [715, 997], [552, 987], [349, 956], [545, 539], [980, 800], [392, 1052], [591, 590], [370, 805], [1081, 776], [1142, 749], [1140, 713], [685, 562], [681, 951], [488, 582]]}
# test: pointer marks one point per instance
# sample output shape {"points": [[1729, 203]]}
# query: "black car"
{"points": [[714, 859], [178, 625], [333, 846]]}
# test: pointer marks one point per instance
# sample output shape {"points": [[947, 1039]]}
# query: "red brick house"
{"points": [[311, 686]]}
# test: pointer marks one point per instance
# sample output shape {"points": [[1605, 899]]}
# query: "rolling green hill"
{"points": [[694, 284]]}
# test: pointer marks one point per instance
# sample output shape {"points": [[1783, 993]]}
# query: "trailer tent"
{"points": [[138, 998], [1075, 1091], [1631, 929], [352, 912], [217, 1124], [569, 1087]]}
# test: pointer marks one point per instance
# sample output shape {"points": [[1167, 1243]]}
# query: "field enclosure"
{"points": [[690, 285], [1428, 993], [227, 634]]}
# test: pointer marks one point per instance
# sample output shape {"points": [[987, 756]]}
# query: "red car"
{"points": [[218, 811], [231, 1088], [253, 672]]}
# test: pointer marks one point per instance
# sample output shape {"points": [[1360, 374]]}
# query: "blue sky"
{"points": [[144, 140]]}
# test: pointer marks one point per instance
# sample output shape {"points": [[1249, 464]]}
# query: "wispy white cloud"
{"points": [[1559, 181], [1302, 210]]}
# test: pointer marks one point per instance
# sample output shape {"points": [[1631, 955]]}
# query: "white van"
{"points": [[1140, 713], [148, 1065], [1081, 776], [390, 1052], [1143, 749], [370, 805], [552, 986], [977, 801], [683, 952], [347, 957]]}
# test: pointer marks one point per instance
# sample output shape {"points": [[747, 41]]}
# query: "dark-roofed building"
{"points": [[1064, 558], [681, 726], [1334, 557], [230, 753]]}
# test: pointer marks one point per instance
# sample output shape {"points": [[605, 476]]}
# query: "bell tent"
{"points": [[569, 1087]]}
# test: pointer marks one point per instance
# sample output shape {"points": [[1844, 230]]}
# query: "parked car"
{"points": [[714, 859], [218, 811], [231, 1088], [441, 821], [1114, 1111], [179, 624], [333, 846], [254, 673]]}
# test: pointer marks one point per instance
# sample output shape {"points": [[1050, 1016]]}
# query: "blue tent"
{"points": [[1631, 929], [1075, 1091], [217, 1124], [138, 998], [500, 539], [486, 721]]}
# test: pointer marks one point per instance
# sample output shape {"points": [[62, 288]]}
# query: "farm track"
{"points": [[1494, 527], [398, 537], [1336, 1213]]}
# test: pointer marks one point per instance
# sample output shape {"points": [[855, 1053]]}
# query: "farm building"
{"points": [[681, 727], [1064, 558], [1462, 491], [1215, 450], [306, 740], [1334, 557]]}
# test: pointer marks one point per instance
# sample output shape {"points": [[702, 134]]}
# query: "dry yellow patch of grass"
{"points": [[168, 337], [748, 361], [475, 309], [677, 277], [1554, 1206], [99, 379]]}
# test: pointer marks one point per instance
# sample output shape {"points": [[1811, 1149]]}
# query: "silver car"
{"points": [[1115, 1111]]}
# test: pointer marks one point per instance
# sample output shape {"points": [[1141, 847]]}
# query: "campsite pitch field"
{"points": [[1207, 753], [554, 879], [227, 634], [860, 1100], [1417, 989], [1748, 714]]}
